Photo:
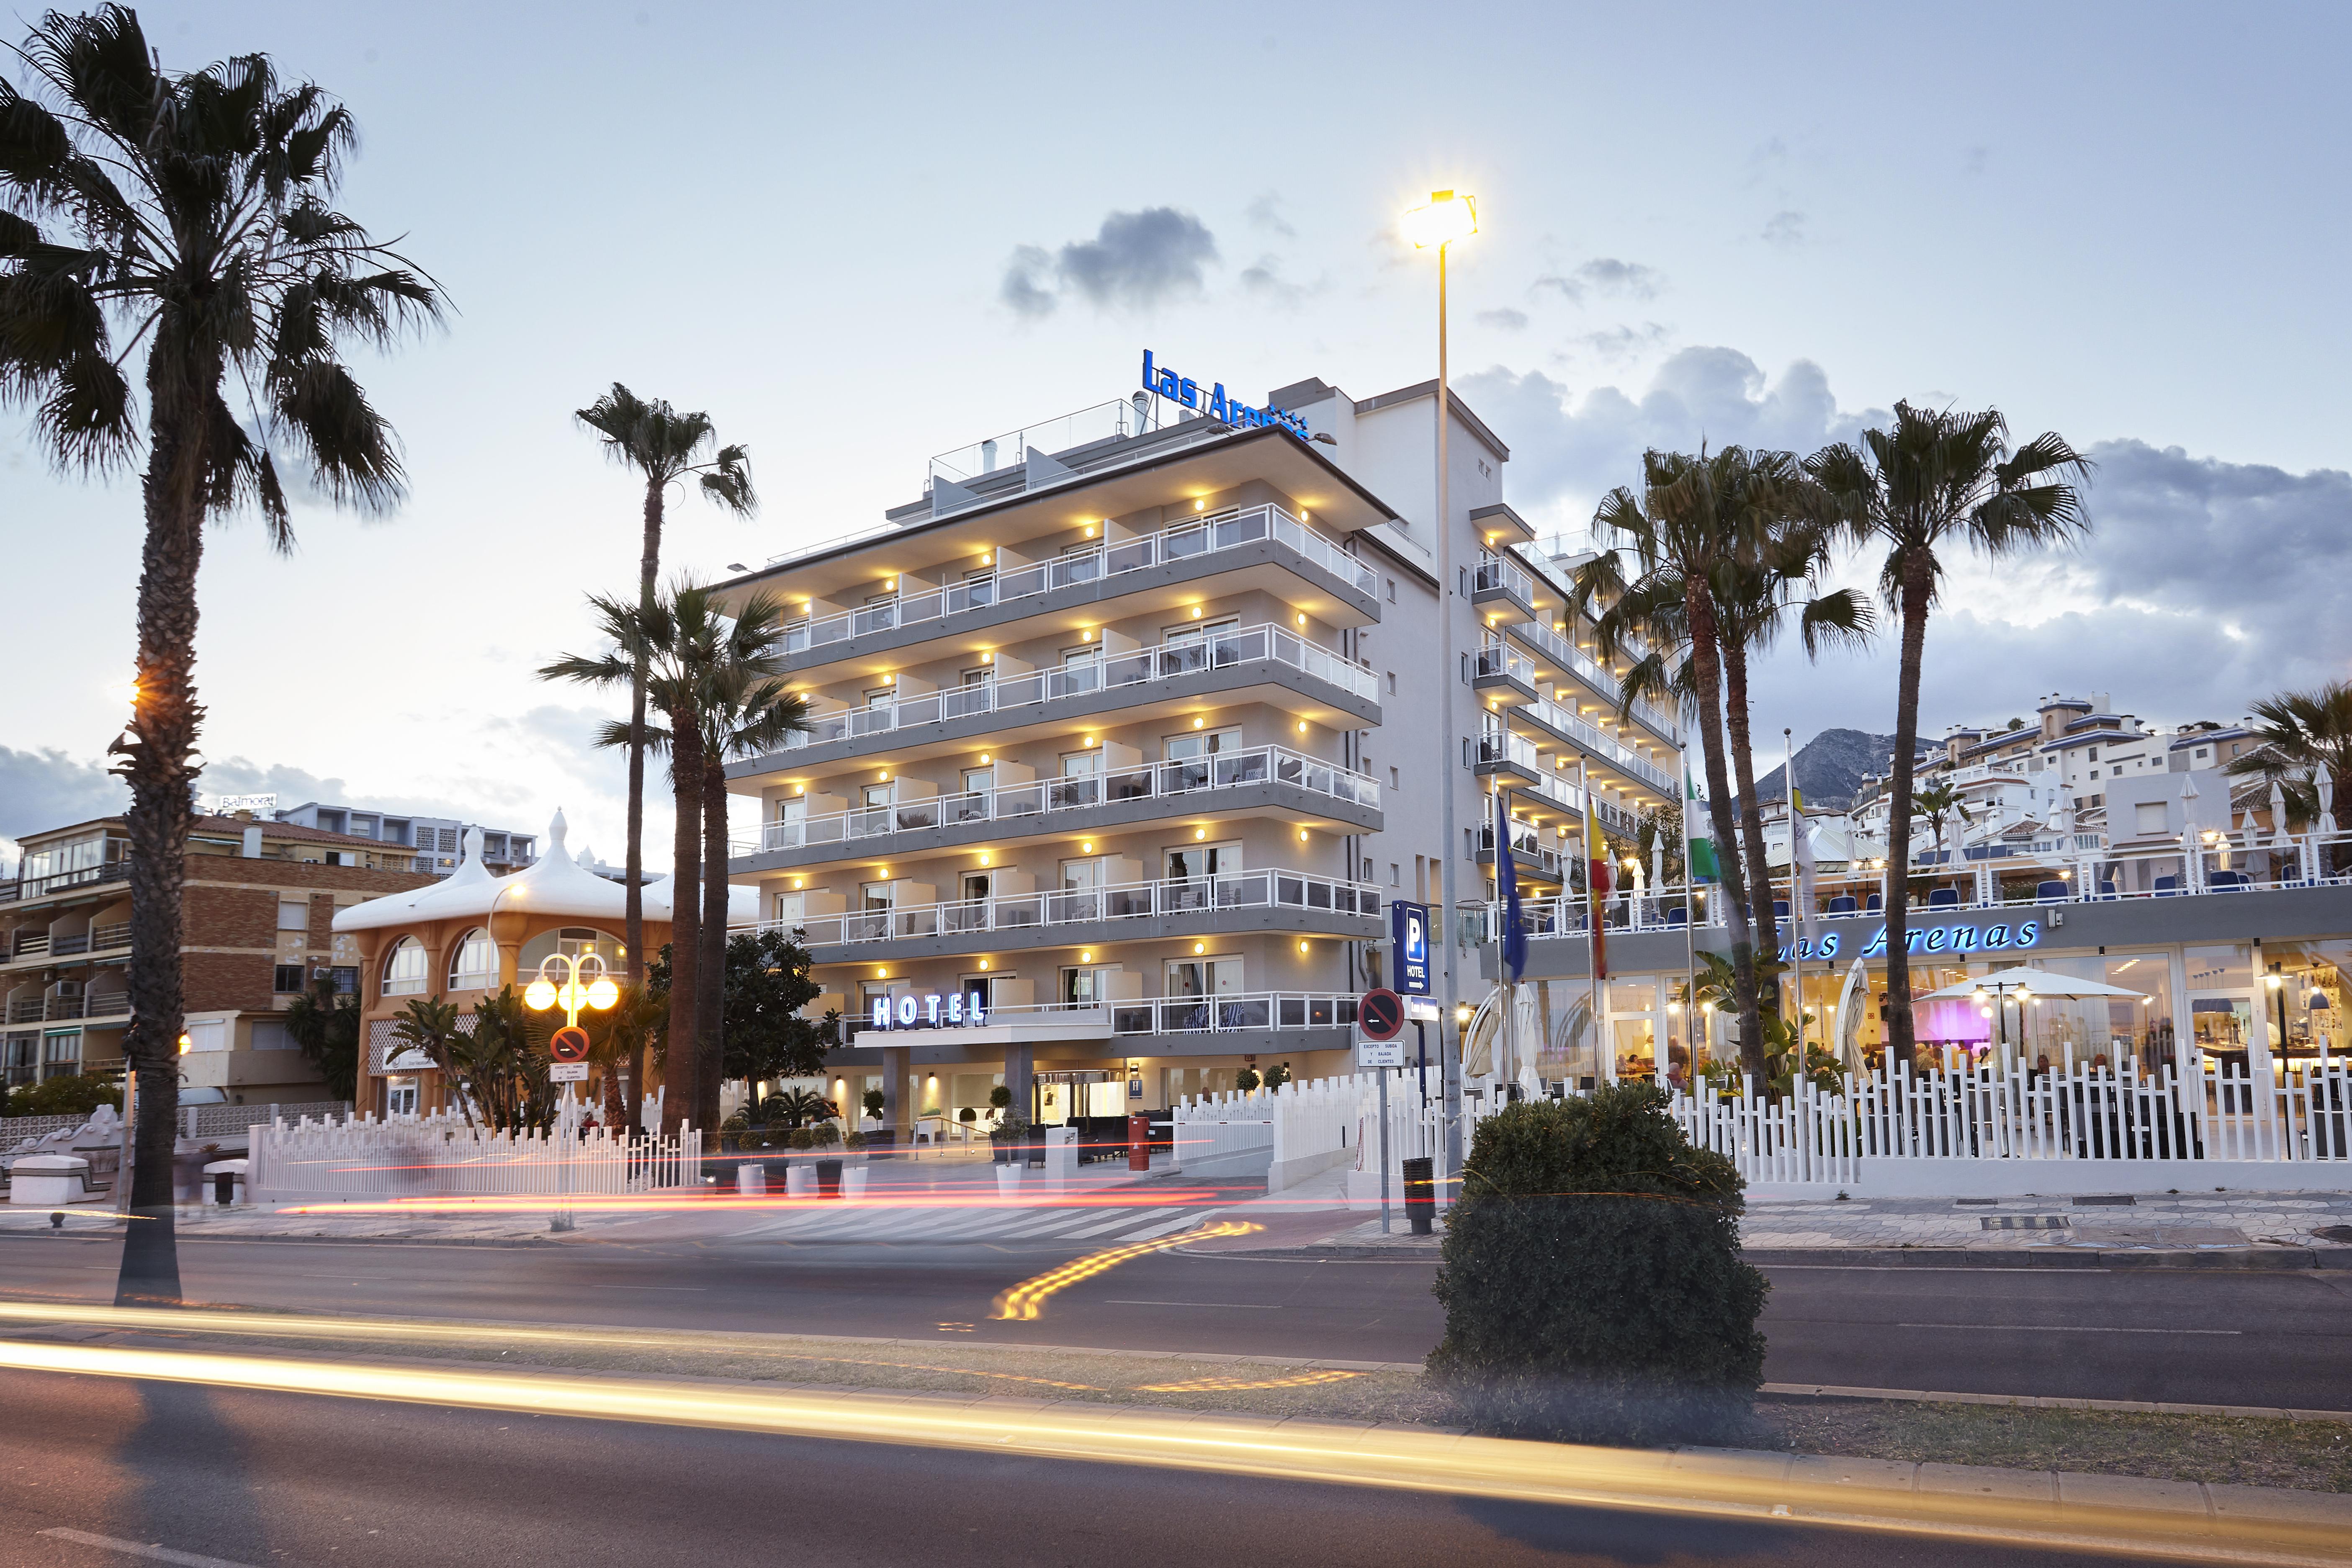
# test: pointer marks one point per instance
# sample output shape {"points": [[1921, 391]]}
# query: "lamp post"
{"points": [[1993, 994], [573, 994], [1448, 216]]}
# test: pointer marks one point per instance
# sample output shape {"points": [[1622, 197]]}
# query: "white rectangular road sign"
{"points": [[567, 1072], [1380, 1053], [1420, 1010]]}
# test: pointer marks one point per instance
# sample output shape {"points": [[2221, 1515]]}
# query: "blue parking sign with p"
{"points": [[1408, 941]]}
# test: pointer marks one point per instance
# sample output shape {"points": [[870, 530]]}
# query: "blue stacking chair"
{"points": [[1943, 899], [1843, 904], [2050, 892], [1874, 904], [2167, 885]]}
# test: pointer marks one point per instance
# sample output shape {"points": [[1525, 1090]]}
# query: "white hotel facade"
{"points": [[1129, 726]]}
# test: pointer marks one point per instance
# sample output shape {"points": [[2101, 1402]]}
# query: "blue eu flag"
{"points": [[1507, 886]]}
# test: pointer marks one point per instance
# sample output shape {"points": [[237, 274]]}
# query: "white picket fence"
{"points": [[1209, 1128], [440, 1156]]}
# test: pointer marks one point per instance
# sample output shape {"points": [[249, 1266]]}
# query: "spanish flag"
{"points": [[1596, 882]]}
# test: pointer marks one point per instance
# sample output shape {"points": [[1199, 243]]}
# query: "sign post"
{"points": [[1380, 1015]]}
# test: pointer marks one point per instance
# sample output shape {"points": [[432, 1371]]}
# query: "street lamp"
{"points": [[580, 986], [1448, 217]]}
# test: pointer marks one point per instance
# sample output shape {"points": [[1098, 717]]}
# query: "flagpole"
{"points": [[1607, 1043], [1796, 899], [1691, 1014]]}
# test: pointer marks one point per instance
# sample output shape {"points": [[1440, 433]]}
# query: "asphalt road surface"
{"points": [[219, 1478], [2220, 1338]]}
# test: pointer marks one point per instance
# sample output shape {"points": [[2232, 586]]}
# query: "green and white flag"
{"points": [[1700, 850]]}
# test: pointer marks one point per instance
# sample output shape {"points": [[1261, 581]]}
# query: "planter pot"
{"points": [[1002, 1154], [1008, 1181], [751, 1180], [828, 1178], [800, 1182], [853, 1183]]}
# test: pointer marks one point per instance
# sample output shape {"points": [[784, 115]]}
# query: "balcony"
{"points": [[113, 935], [1047, 805], [1081, 577], [1529, 849], [1499, 587], [1256, 1010], [107, 1005], [31, 944], [1030, 698], [111, 871], [1498, 753], [1550, 645], [1498, 666], [1242, 900], [1608, 750]]}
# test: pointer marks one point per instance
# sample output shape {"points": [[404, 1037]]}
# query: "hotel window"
{"points": [[976, 780], [880, 897], [1395, 879], [474, 965], [1392, 590], [1392, 779], [1193, 631], [2200, 753], [1086, 987], [981, 676], [1192, 862], [404, 969], [1392, 683], [1083, 875], [1215, 976], [1202, 744], [975, 886], [789, 910], [61, 1055], [880, 696]]}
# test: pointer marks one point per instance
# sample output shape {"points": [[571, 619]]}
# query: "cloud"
{"points": [[1505, 320], [1135, 261], [1785, 228], [45, 789], [1618, 343], [1265, 281], [1604, 275], [1264, 213]]}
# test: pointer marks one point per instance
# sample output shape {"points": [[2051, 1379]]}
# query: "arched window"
{"points": [[404, 968], [474, 962]]}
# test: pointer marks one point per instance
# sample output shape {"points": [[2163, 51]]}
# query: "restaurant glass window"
{"points": [[474, 966], [2306, 1007]]}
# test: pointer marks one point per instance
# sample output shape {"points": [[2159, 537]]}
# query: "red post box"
{"points": [[1138, 1143]]}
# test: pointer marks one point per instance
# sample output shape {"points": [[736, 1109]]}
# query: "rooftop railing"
{"points": [[1022, 804], [1177, 896], [1203, 536], [1111, 672]]}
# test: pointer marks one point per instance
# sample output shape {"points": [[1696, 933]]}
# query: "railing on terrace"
{"points": [[65, 946], [106, 1004], [31, 942], [1527, 842], [1496, 744], [111, 871], [1498, 659], [1112, 672], [1192, 1014], [1493, 571], [1177, 896], [1594, 674], [1560, 720], [116, 933], [1204, 536], [1043, 797]]}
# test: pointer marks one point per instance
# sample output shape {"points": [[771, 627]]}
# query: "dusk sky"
{"points": [[860, 235]]}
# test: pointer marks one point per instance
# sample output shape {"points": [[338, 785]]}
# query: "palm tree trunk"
{"points": [[1900, 1041], [1708, 674], [683, 1078], [711, 1043], [1751, 810], [164, 719], [634, 906]]}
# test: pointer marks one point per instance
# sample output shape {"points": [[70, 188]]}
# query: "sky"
{"points": [[859, 236]]}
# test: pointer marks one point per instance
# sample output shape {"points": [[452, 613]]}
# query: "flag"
{"points": [[1596, 883], [1507, 890], [1800, 858], [1702, 868]]}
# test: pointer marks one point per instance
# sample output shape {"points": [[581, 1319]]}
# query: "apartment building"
{"points": [[1126, 732], [437, 840], [258, 915]]}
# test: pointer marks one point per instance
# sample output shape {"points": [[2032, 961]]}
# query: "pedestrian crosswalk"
{"points": [[935, 1223]]}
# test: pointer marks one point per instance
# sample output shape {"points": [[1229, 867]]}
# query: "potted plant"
{"points": [[853, 1175], [873, 1102], [827, 1137], [800, 1182], [1000, 1100], [1010, 1136], [1246, 1079], [732, 1131]]}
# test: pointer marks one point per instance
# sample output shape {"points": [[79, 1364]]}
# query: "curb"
{"points": [[2266, 1259], [1812, 1393]]}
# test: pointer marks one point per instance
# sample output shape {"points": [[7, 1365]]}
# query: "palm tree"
{"points": [[429, 1025], [666, 447], [1938, 483], [2303, 734], [747, 711], [672, 644], [1685, 536], [1941, 802], [191, 211]]}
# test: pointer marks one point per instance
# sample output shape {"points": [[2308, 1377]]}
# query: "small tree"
{"points": [[1277, 1074], [1593, 1283], [325, 1023], [872, 1100], [1246, 1079]]}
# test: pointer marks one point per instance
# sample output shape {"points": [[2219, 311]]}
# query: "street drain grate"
{"points": [[2123, 1201], [2023, 1221], [2334, 1233]]}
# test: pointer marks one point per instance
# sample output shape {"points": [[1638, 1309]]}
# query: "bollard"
{"points": [[1421, 1194], [1138, 1143]]}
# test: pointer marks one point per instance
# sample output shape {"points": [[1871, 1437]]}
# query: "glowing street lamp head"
{"points": [[1448, 216], [603, 993], [539, 996]]}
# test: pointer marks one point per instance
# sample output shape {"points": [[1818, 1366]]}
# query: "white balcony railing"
{"points": [[1111, 672], [1021, 804], [1607, 747], [1177, 895], [1590, 672], [1205, 536]]}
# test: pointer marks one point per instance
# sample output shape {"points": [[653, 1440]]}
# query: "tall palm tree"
{"points": [[673, 644], [1684, 537], [1937, 484], [2303, 735], [192, 212], [746, 709], [664, 447]]}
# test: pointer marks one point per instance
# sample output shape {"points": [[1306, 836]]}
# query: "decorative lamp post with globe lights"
{"points": [[575, 982]]}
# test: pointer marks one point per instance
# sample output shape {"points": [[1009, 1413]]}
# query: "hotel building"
{"points": [[1129, 726]]}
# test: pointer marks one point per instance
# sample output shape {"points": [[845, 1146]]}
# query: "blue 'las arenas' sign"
{"points": [[1924, 938], [1184, 391]]}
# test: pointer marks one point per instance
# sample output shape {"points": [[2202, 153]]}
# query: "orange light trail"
{"points": [[1234, 1385], [1026, 1301]]}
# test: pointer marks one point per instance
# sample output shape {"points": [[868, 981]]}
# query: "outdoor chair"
{"points": [[1944, 898], [1843, 904], [1779, 909], [1678, 916], [2167, 885], [2107, 890], [2230, 882], [1874, 904], [2050, 892]]}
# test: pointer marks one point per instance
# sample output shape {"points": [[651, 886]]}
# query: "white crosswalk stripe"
{"points": [[1169, 1227], [956, 1223], [1125, 1217]]}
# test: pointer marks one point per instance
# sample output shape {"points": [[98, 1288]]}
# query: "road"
{"points": [[221, 1479], [2220, 1338]]}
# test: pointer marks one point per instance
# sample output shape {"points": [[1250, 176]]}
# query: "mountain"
{"points": [[1830, 767]]}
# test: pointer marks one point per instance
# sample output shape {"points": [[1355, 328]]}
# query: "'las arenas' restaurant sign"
{"points": [[1924, 938]]}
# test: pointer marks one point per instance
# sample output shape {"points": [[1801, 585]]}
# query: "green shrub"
{"points": [[1592, 1284], [1011, 1129], [967, 1115], [854, 1141], [800, 1137], [1277, 1074], [738, 1123], [73, 1095], [825, 1135], [999, 1097], [1245, 1080]]}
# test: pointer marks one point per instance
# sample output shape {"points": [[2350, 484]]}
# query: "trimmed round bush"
{"points": [[1593, 1283]]}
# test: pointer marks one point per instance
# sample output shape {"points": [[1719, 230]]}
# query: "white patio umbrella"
{"points": [[2326, 779], [2039, 982]]}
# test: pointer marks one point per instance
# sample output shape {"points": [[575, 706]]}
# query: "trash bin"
{"points": [[1421, 1194], [828, 1178], [1138, 1143]]}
